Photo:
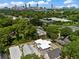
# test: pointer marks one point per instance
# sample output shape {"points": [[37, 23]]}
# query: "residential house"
{"points": [[43, 44], [41, 32], [55, 54], [17, 51], [63, 41]]}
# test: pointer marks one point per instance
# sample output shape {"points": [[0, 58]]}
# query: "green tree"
{"points": [[73, 37], [66, 31], [76, 33], [36, 22], [30, 33], [53, 31], [71, 51]]}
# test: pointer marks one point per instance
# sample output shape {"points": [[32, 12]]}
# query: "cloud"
{"points": [[48, 0], [39, 2], [72, 5], [11, 4], [58, 7], [42, 2], [4, 5], [20, 3], [17, 3], [68, 1], [32, 2]]}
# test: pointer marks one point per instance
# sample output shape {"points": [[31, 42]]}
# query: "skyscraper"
{"points": [[25, 5], [37, 5], [15, 7], [29, 5], [52, 6]]}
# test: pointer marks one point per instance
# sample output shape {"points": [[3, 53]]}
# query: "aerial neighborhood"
{"points": [[35, 31]]}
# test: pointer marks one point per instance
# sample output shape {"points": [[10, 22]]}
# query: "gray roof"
{"points": [[54, 54], [41, 32], [3, 56], [16, 51], [46, 21], [74, 28], [0, 56], [66, 40], [63, 41], [27, 49]]}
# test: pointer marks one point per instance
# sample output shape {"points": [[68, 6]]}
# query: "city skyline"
{"points": [[42, 3]]}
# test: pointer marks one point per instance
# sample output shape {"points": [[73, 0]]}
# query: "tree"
{"points": [[30, 33], [21, 31], [76, 32], [66, 31], [73, 37], [36, 22], [71, 51], [53, 31]]}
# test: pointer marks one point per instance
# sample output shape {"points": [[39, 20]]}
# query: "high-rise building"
{"points": [[25, 5], [52, 6], [37, 5], [29, 5], [15, 7]]}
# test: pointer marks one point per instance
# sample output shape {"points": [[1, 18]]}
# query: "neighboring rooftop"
{"points": [[40, 31], [59, 19], [27, 49], [55, 54], [63, 41], [43, 44], [0, 56], [16, 53]]}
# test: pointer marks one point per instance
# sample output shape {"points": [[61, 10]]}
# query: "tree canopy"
{"points": [[71, 50], [19, 32], [66, 31], [52, 31]]}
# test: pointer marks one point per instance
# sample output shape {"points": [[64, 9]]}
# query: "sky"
{"points": [[42, 3]]}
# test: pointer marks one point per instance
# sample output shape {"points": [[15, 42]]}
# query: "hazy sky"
{"points": [[43, 3]]}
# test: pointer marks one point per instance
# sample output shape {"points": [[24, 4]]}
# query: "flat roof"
{"points": [[15, 52], [59, 19], [27, 49], [44, 44], [0, 56]]}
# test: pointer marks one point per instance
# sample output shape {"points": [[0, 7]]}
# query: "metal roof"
{"points": [[16, 51], [54, 54]]}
